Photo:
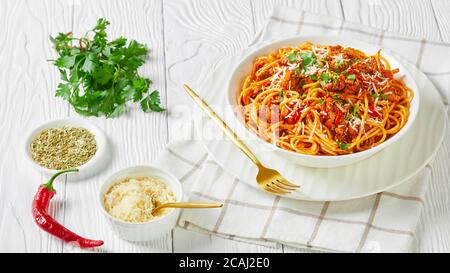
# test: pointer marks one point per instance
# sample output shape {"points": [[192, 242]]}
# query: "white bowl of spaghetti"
{"points": [[322, 101]]}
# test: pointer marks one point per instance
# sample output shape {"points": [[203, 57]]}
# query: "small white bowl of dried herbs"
{"points": [[67, 144]]}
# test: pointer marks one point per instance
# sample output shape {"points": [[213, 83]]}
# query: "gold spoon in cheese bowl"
{"points": [[268, 179], [186, 205]]}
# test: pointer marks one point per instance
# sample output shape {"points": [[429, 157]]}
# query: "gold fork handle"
{"points": [[187, 205], [228, 132]]}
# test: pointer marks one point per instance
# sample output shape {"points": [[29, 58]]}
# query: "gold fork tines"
{"points": [[268, 179], [272, 181]]}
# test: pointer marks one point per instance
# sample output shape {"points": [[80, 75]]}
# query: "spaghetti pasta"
{"points": [[324, 100]]}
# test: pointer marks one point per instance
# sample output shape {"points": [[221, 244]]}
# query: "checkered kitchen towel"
{"points": [[384, 222]]}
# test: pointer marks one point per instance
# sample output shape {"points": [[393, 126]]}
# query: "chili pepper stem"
{"points": [[49, 184]]}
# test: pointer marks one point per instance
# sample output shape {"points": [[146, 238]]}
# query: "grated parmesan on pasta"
{"points": [[133, 199]]}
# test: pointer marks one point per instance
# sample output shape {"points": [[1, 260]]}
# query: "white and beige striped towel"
{"points": [[384, 222]]}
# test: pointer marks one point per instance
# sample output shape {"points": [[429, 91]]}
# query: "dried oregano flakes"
{"points": [[63, 147]]}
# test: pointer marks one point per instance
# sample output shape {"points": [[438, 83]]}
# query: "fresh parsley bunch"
{"points": [[100, 77]]}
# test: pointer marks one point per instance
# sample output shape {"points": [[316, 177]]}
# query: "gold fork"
{"points": [[186, 205], [268, 179]]}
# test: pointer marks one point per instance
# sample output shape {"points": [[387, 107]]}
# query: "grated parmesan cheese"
{"points": [[133, 199]]}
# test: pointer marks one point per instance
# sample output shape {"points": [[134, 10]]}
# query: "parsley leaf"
{"points": [[297, 71], [308, 58], [99, 77], [281, 95], [63, 90], [355, 110], [65, 61], [351, 77], [342, 146], [325, 78], [336, 97], [88, 65], [292, 58], [336, 69], [152, 102]]}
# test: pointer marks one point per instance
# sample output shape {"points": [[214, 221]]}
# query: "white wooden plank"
{"points": [[28, 83], [441, 9], [199, 35], [262, 8], [412, 18], [135, 138]]}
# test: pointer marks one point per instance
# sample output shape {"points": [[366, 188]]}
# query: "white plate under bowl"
{"points": [[245, 66], [388, 168], [89, 168]]}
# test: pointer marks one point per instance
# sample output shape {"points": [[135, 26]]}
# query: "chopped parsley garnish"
{"points": [[313, 77], [308, 58], [382, 96], [325, 78], [292, 58], [281, 95], [351, 77], [336, 69], [342, 146], [336, 97], [335, 77], [303, 96], [321, 102], [355, 110]]}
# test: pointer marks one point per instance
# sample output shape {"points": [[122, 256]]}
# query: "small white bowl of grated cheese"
{"points": [[127, 198]]}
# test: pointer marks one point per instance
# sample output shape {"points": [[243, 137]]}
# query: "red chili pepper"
{"points": [[338, 118], [40, 205], [373, 112]]}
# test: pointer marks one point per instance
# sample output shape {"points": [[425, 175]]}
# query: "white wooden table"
{"points": [[187, 39]]}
